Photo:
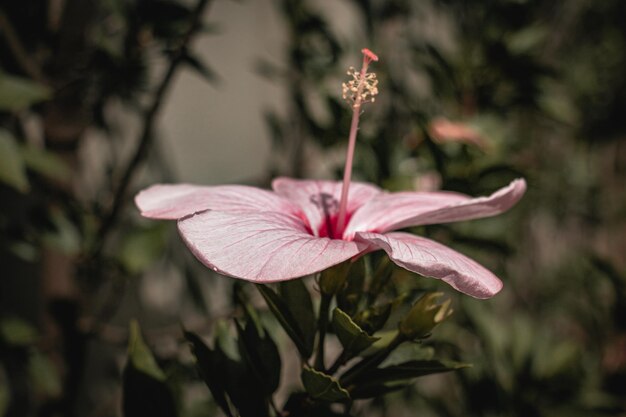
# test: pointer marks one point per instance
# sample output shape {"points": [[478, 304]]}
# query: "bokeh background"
{"points": [[101, 98]]}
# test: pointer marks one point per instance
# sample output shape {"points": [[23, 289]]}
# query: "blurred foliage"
{"points": [[527, 88]]}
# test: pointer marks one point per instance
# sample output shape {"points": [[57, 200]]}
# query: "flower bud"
{"points": [[425, 314], [332, 280]]}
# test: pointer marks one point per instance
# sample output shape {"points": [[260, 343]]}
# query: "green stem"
{"points": [[341, 359], [322, 325], [371, 361]]}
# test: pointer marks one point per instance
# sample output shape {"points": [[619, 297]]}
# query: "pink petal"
{"points": [[392, 211], [261, 246], [312, 195], [435, 260], [164, 201]]}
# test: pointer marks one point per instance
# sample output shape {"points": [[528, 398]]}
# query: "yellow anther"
{"points": [[360, 89]]}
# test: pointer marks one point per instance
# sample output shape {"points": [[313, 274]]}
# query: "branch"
{"points": [[146, 137]]}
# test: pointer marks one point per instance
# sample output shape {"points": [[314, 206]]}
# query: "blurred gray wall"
{"points": [[215, 134]]}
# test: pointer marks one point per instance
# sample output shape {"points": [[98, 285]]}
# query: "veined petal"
{"points": [[165, 201], [435, 260], [392, 211], [387, 209], [261, 246], [319, 199]]}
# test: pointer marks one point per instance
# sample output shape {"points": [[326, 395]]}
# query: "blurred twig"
{"points": [[19, 53], [119, 196]]}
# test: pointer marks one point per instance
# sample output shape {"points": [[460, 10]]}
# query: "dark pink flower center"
{"points": [[329, 207]]}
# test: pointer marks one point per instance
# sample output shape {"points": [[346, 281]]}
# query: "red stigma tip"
{"points": [[369, 54]]}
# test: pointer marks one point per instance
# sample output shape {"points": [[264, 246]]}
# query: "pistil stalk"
{"points": [[359, 94]]}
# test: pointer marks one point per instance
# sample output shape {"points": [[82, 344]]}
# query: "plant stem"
{"points": [[341, 359], [322, 325]]}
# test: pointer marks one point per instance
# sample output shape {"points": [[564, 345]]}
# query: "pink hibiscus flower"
{"points": [[264, 236], [305, 226]]}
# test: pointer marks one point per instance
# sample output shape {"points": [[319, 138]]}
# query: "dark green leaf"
{"points": [[45, 375], [300, 404], [281, 311], [298, 300], [227, 378], [142, 246], [275, 127], [349, 298], [323, 387], [406, 370], [145, 392], [139, 355], [167, 19], [202, 68], [18, 93], [352, 337], [65, 237], [210, 369], [261, 356], [145, 396], [376, 390], [410, 351], [17, 332], [12, 166], [194, 289], [242, 387], [380, 278], [46, 163]]}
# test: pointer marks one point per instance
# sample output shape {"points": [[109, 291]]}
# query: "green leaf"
{"points": [[386, 337], [323, 387], [210, 366], [24, 250], [283, 314], [239, 383], [140, 356], [17, 332], [145, 392], [65, 237], [410, 351], [228, 379], [44, 375], [12, 166], [406, 370], [299, 302], [349, 298], [352, 337], [46, 163], [261, 356], [380, 278], [18, 93], [141, 247], [376, 390]]}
